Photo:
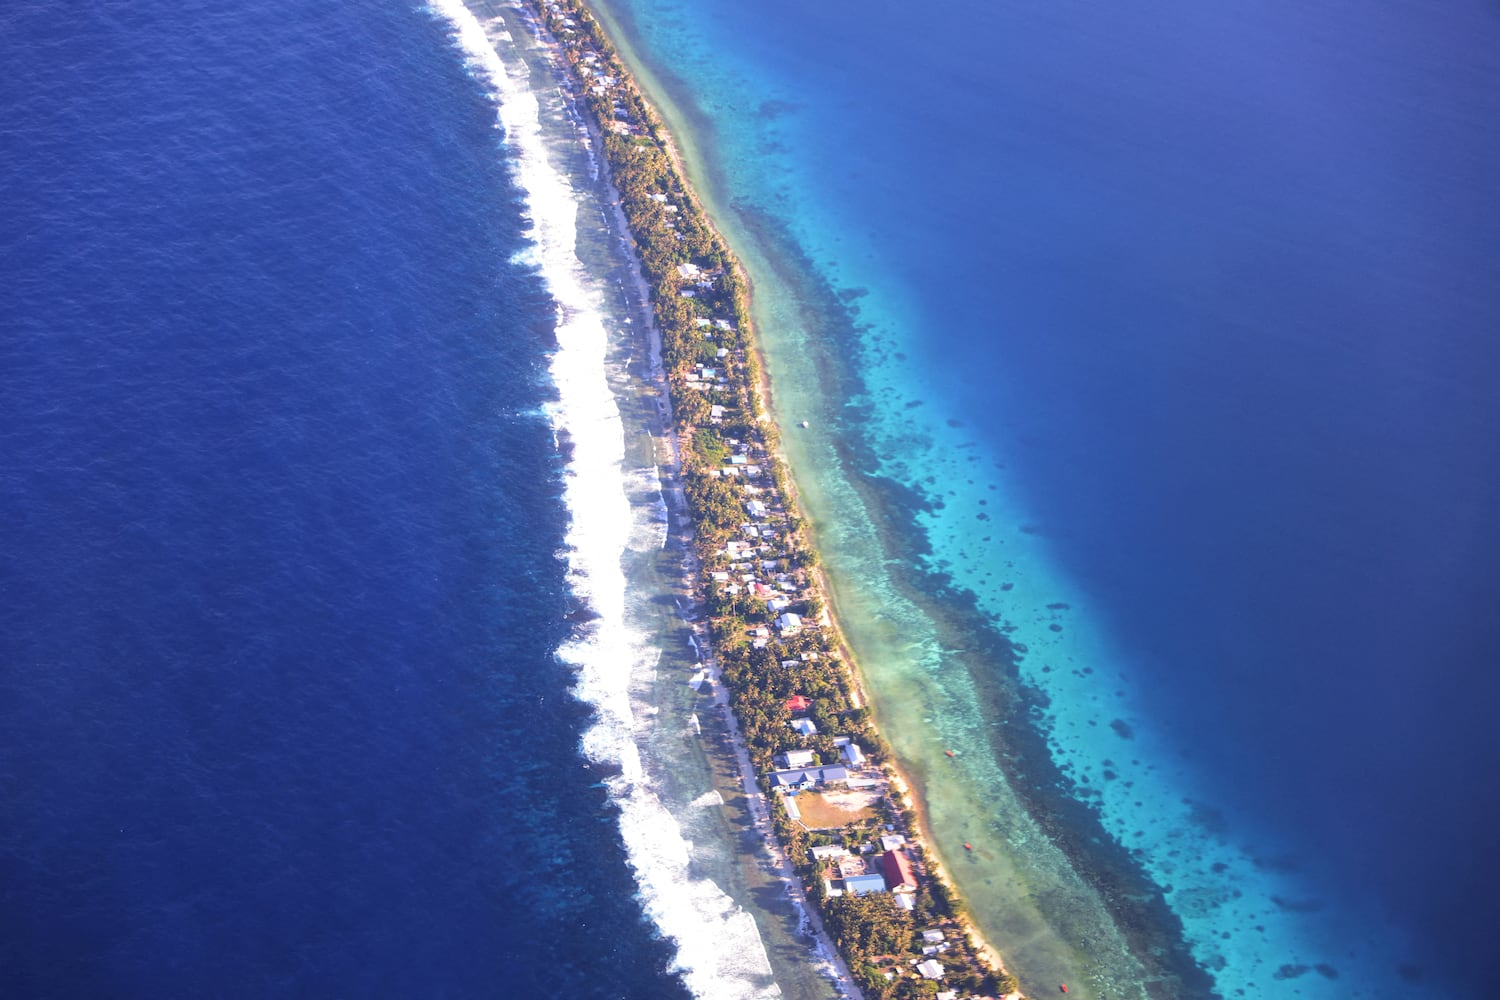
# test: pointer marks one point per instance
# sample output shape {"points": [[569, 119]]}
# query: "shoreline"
{"points": [[1150, 955], [763, 390], [757, 384], [679, 540], [827, 960]]}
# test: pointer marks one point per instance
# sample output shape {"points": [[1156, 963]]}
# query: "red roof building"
{"points": [[896, 867], [798, 703]]}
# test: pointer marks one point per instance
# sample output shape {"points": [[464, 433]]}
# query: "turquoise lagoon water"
{"points": [[1146, 359]]}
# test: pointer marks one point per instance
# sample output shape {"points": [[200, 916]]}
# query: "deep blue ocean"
{"points": [[280, 511], [279, 586]]}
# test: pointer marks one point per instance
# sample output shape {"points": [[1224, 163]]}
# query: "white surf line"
{"points": [[719, 952]]}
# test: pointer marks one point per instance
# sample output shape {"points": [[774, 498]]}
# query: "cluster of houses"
{"points": [[752, 558], [752, 563], [882, 868]]}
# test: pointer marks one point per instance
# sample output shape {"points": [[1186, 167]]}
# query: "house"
{"points": [[932, 936], [892, 842], [824, 852], [853, 754], [755, 508], [898, 873], [930, 969], [685, 271], [906, 900], [805, 726], [807, 777], [859, 885], [797, 758], [789, 623], [797, 702]]}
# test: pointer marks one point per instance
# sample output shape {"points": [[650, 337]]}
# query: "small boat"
{"points": [[950, 753], [1063, 987], [968, 847]]}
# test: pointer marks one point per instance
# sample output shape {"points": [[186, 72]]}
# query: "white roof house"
{"points": [[796, 758], [807, 777], [932, 936], [931, 969], [806, 727], [853, 754], [789, 623]]}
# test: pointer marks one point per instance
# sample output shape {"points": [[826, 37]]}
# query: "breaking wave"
{"points": [[719, 952]]}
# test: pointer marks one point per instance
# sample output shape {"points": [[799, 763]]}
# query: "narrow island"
{"points": [[825, 778]]}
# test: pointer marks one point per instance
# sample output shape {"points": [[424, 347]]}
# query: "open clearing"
{"points": [[833, 809]]}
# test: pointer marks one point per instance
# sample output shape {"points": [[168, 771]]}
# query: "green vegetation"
{"points": [[749, 540]]}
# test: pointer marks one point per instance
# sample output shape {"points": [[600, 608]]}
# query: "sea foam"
{"points": [[719, 952]]}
